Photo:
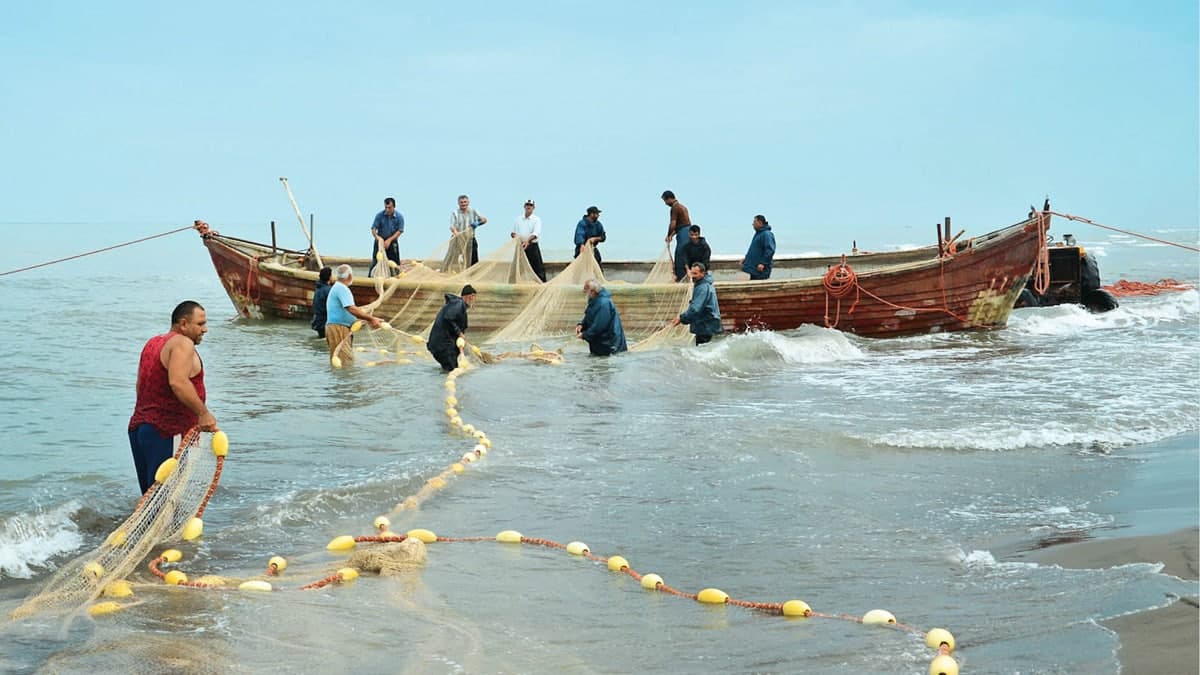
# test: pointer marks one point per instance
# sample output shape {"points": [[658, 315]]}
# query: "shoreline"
{"points": [[1156, 520], [1164, 640]]}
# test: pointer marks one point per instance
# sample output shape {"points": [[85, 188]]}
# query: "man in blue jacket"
{"points": [[320, 297], [590, 231], [601, 324], [450, 324], [703, 314], [757, 262]]}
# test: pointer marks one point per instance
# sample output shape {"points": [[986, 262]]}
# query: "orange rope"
{"points": [[838, 282], [1125, 288], [212, 487], [1081, 219], [1041, 268]]}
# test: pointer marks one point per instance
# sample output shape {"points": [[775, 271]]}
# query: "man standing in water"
{"points": [[340, 313], [703, 314], [601, 324], [450, 324], [170, 392], [677, 229], [467, 218]]}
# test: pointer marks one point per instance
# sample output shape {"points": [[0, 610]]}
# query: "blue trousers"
{"points": [[150, 449], [681, 240]]}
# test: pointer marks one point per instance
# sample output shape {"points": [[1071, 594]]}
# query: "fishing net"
{"points": [[514, 309], [169, 507]]}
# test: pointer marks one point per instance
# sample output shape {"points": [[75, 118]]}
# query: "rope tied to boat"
{"points": [[838, 281], [1081, 219], [95, 251]]}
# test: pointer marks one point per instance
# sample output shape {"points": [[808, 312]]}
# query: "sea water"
{"points": [[854, 474]]}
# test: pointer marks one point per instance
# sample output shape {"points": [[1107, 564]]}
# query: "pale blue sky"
{"points": [[838, 120]]}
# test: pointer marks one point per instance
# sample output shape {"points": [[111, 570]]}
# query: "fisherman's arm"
{"points": [[179, 368]]}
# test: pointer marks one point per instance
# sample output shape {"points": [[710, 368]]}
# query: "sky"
{"points": [[839, 121]]}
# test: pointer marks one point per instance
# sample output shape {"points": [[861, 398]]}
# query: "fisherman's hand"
{"points": [[513, 234], [375, 322], [675, 321], [760, 267], [668, 239], [207, 422], [579, 330]]}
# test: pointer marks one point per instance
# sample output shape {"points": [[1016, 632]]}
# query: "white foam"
{"points": [[751, 352], [32, 540], [1133, 313], [996, 436]]}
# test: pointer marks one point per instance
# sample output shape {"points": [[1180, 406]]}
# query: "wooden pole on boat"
{"points": [[946, 234], [312, 247], [941, 242], [273, 247]]}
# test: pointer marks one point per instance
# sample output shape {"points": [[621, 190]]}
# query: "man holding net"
{"points": [[703, 315], [601, 324], [340, 314], [387, 228], [450, 324], [170, 391]]}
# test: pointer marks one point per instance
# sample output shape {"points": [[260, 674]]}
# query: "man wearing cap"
{"points": [[590, 231], [677, 229], [528, 228], [450, 324]]}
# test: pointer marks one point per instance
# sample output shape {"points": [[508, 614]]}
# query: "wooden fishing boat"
{"points": [[922, 291]]}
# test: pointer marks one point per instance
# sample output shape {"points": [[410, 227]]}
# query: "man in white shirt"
{"points": [[528, 228]]}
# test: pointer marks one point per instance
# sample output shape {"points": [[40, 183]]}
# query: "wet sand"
{"points": [[1160, 641]]}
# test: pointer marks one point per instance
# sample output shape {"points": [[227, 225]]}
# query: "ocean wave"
{"points": [[29, 540], [762, 351], [1133, 313], [1002, 436]]}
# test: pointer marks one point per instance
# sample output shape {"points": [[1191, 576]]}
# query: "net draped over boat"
{"points": [[159, 518], [524, 309]]}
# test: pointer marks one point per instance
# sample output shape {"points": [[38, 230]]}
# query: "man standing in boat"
{"points": [[529, 229], [601, 324], [703, 314], [464, 222], [590, 230], [387, 228], [677, 229], [757, 262], [449, 326], [697, 249], [170, 392], [340, 313]]}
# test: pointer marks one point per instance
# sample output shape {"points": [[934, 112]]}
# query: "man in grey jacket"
{"points": [[703, 314]]}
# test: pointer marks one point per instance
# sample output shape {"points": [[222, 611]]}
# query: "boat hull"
{"points": [[975, 288]]}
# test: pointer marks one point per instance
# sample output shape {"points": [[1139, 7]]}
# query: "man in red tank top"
{"points": [[170, 392]]}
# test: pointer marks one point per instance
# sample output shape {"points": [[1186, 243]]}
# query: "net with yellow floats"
{"points": [[170, 510]]}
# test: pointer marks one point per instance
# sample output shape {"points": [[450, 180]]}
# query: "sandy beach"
{"points": [[1160, 641]]}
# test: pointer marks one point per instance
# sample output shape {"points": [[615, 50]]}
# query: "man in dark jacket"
{"points": [[696, 250], [450, 324], [601, 324], [320, 296], [761, 253], [703, 314]]}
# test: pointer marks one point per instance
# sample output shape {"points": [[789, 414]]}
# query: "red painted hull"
{"points": [[974, 289]]}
